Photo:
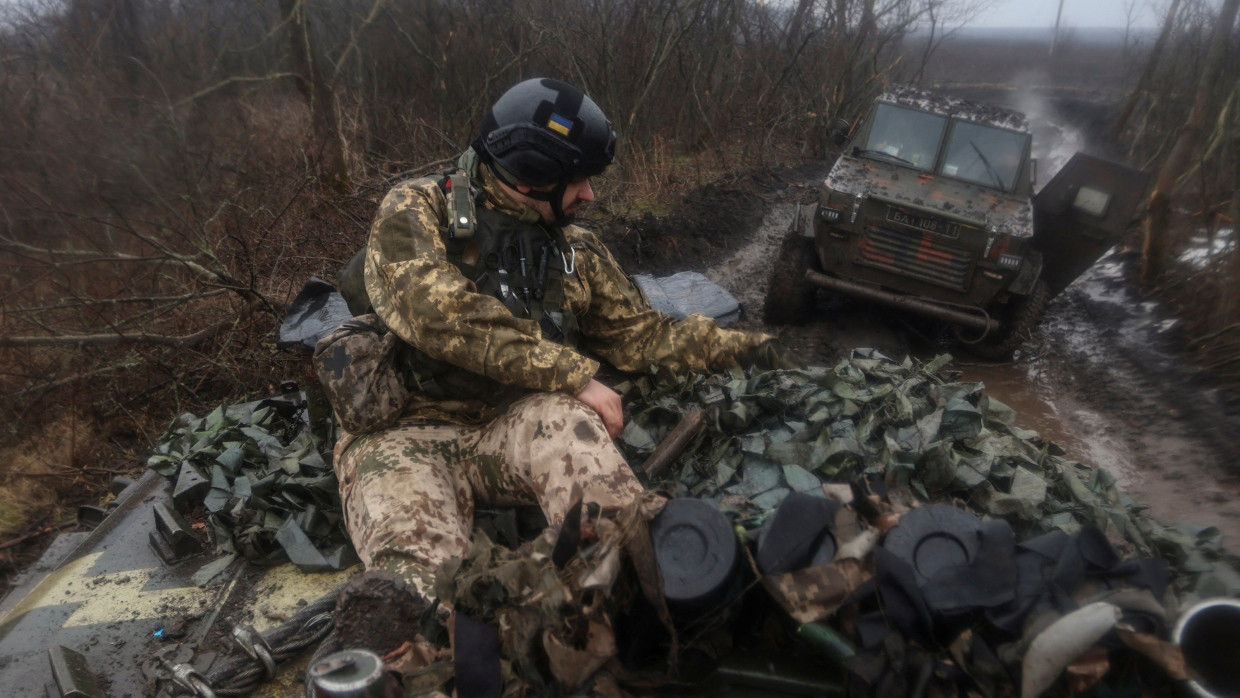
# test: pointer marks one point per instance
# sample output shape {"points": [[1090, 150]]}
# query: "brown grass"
{"points": [[39, 469]]}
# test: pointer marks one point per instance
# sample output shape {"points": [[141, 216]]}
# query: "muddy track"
{"points": [[1136, 343]]}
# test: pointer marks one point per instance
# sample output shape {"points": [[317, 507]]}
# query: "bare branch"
{"points": [[114, 338], [91, 256], [71, 303], [127, 365], [236, 79]]}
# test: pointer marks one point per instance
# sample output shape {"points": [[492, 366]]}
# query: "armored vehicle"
{"points": [[931, 208]]}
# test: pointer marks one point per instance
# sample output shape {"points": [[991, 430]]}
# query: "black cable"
{"points": [[240, 676]]}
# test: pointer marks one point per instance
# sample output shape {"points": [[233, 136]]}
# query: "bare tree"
{"points": [[943, 18], [315, 88], [1155, 58], [1156, 243]]}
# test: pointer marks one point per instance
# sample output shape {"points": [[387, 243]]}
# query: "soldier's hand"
{"points": [[771, 355], [606, 402]]}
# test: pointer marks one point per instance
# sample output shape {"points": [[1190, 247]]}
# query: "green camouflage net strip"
{"points": [[272, 493], [262, 473], [930, 439]]}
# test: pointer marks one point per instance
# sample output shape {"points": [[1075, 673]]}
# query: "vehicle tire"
{"points": [[789, 297], [1023, 315]]}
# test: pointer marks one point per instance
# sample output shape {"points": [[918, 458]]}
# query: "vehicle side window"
{"points": [[984, 155], [908, 136]]}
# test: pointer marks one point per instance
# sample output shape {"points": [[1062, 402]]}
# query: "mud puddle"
{"points": [[1156, 464]]}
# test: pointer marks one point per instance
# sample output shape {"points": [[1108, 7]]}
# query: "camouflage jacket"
{"points": [[473, 339]]}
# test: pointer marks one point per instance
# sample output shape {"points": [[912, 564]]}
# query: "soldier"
{"points": [[499, 306]]}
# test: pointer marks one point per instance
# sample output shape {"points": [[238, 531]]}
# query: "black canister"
{"points": [[698, 554], [1208, 634], [934, 538]]}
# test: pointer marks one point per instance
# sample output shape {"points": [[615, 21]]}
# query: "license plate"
{"points": [[928, 224]]}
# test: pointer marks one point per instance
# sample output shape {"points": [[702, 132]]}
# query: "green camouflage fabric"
{"points": [[425, 300], [261, 473], [356, 365], [408, 492]]}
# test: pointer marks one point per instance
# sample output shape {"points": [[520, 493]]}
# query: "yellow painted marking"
{"points": [[111, 597], [275, 596], [128, 595], [124, 596]]}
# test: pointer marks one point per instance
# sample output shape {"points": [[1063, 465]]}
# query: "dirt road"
{"points": [[1103, 379]]}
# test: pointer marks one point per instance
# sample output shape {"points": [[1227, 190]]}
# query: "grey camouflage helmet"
{"points": [[544, 131]]}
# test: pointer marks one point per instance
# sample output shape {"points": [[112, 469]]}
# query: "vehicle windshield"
{"points": [[905, 135], [984, 155]]}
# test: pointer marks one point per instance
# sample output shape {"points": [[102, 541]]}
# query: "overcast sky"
{"points": [[1076, 13]]}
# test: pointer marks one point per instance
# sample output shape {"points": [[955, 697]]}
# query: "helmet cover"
{"points": [[543, 131]]}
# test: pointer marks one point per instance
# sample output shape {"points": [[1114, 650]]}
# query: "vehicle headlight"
{"points": [[830, 214], [997, 251], [1010, 261]]}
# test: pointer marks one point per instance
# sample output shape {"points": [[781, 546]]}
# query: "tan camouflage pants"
{"points": [[408, 491]]}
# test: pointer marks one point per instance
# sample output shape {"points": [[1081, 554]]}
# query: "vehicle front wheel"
{"points": [[1021, 319], [789, 297]]}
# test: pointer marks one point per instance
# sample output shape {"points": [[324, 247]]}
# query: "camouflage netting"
{"points": [[263, 478], [911, 426], [907, 430]]}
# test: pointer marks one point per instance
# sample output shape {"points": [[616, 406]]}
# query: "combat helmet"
{"points": [[543, 131]]}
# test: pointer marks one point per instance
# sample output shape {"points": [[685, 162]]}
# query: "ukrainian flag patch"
{"points": [[559, 124]]}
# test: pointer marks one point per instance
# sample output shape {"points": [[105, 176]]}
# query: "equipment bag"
{"points": [[356, 364]]}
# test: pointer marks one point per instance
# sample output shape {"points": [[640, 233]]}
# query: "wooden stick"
{"points": [[35, 534], [675, 441]]}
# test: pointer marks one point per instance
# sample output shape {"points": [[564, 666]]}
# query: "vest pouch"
{"points": [[356, 365]]}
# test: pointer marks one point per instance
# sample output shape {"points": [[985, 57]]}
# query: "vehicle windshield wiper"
{"points": [[991, 170], [882, 153]]}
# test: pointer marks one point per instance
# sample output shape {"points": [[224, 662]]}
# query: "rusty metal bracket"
{"points": [[171, 538], [675, 441], [73, 676], [974, 318]]}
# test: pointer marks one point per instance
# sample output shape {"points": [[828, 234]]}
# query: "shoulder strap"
{"points": [[352, 278]]}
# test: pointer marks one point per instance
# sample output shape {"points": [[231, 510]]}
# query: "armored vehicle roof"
{"points": [[954, 107]]}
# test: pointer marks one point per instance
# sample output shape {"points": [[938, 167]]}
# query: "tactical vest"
{"points": [[521, 264]]}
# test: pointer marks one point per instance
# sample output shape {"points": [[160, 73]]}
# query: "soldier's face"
{"points": [[575, 194]]}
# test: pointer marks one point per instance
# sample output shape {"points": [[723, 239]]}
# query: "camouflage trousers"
{"points": [[408, 491]]}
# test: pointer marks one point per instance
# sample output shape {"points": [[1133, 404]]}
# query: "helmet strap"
{"points": [[555, 197]]}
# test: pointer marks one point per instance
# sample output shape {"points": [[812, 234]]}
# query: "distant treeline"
{"points": [[408, 79]]}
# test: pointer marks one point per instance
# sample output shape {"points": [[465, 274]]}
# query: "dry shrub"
{"points": [[652, 179], [35, 470], [645, 180]]}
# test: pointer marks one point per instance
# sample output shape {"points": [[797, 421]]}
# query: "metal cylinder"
{"points": [[1208, 634], [355, 673], [698, 555]]}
